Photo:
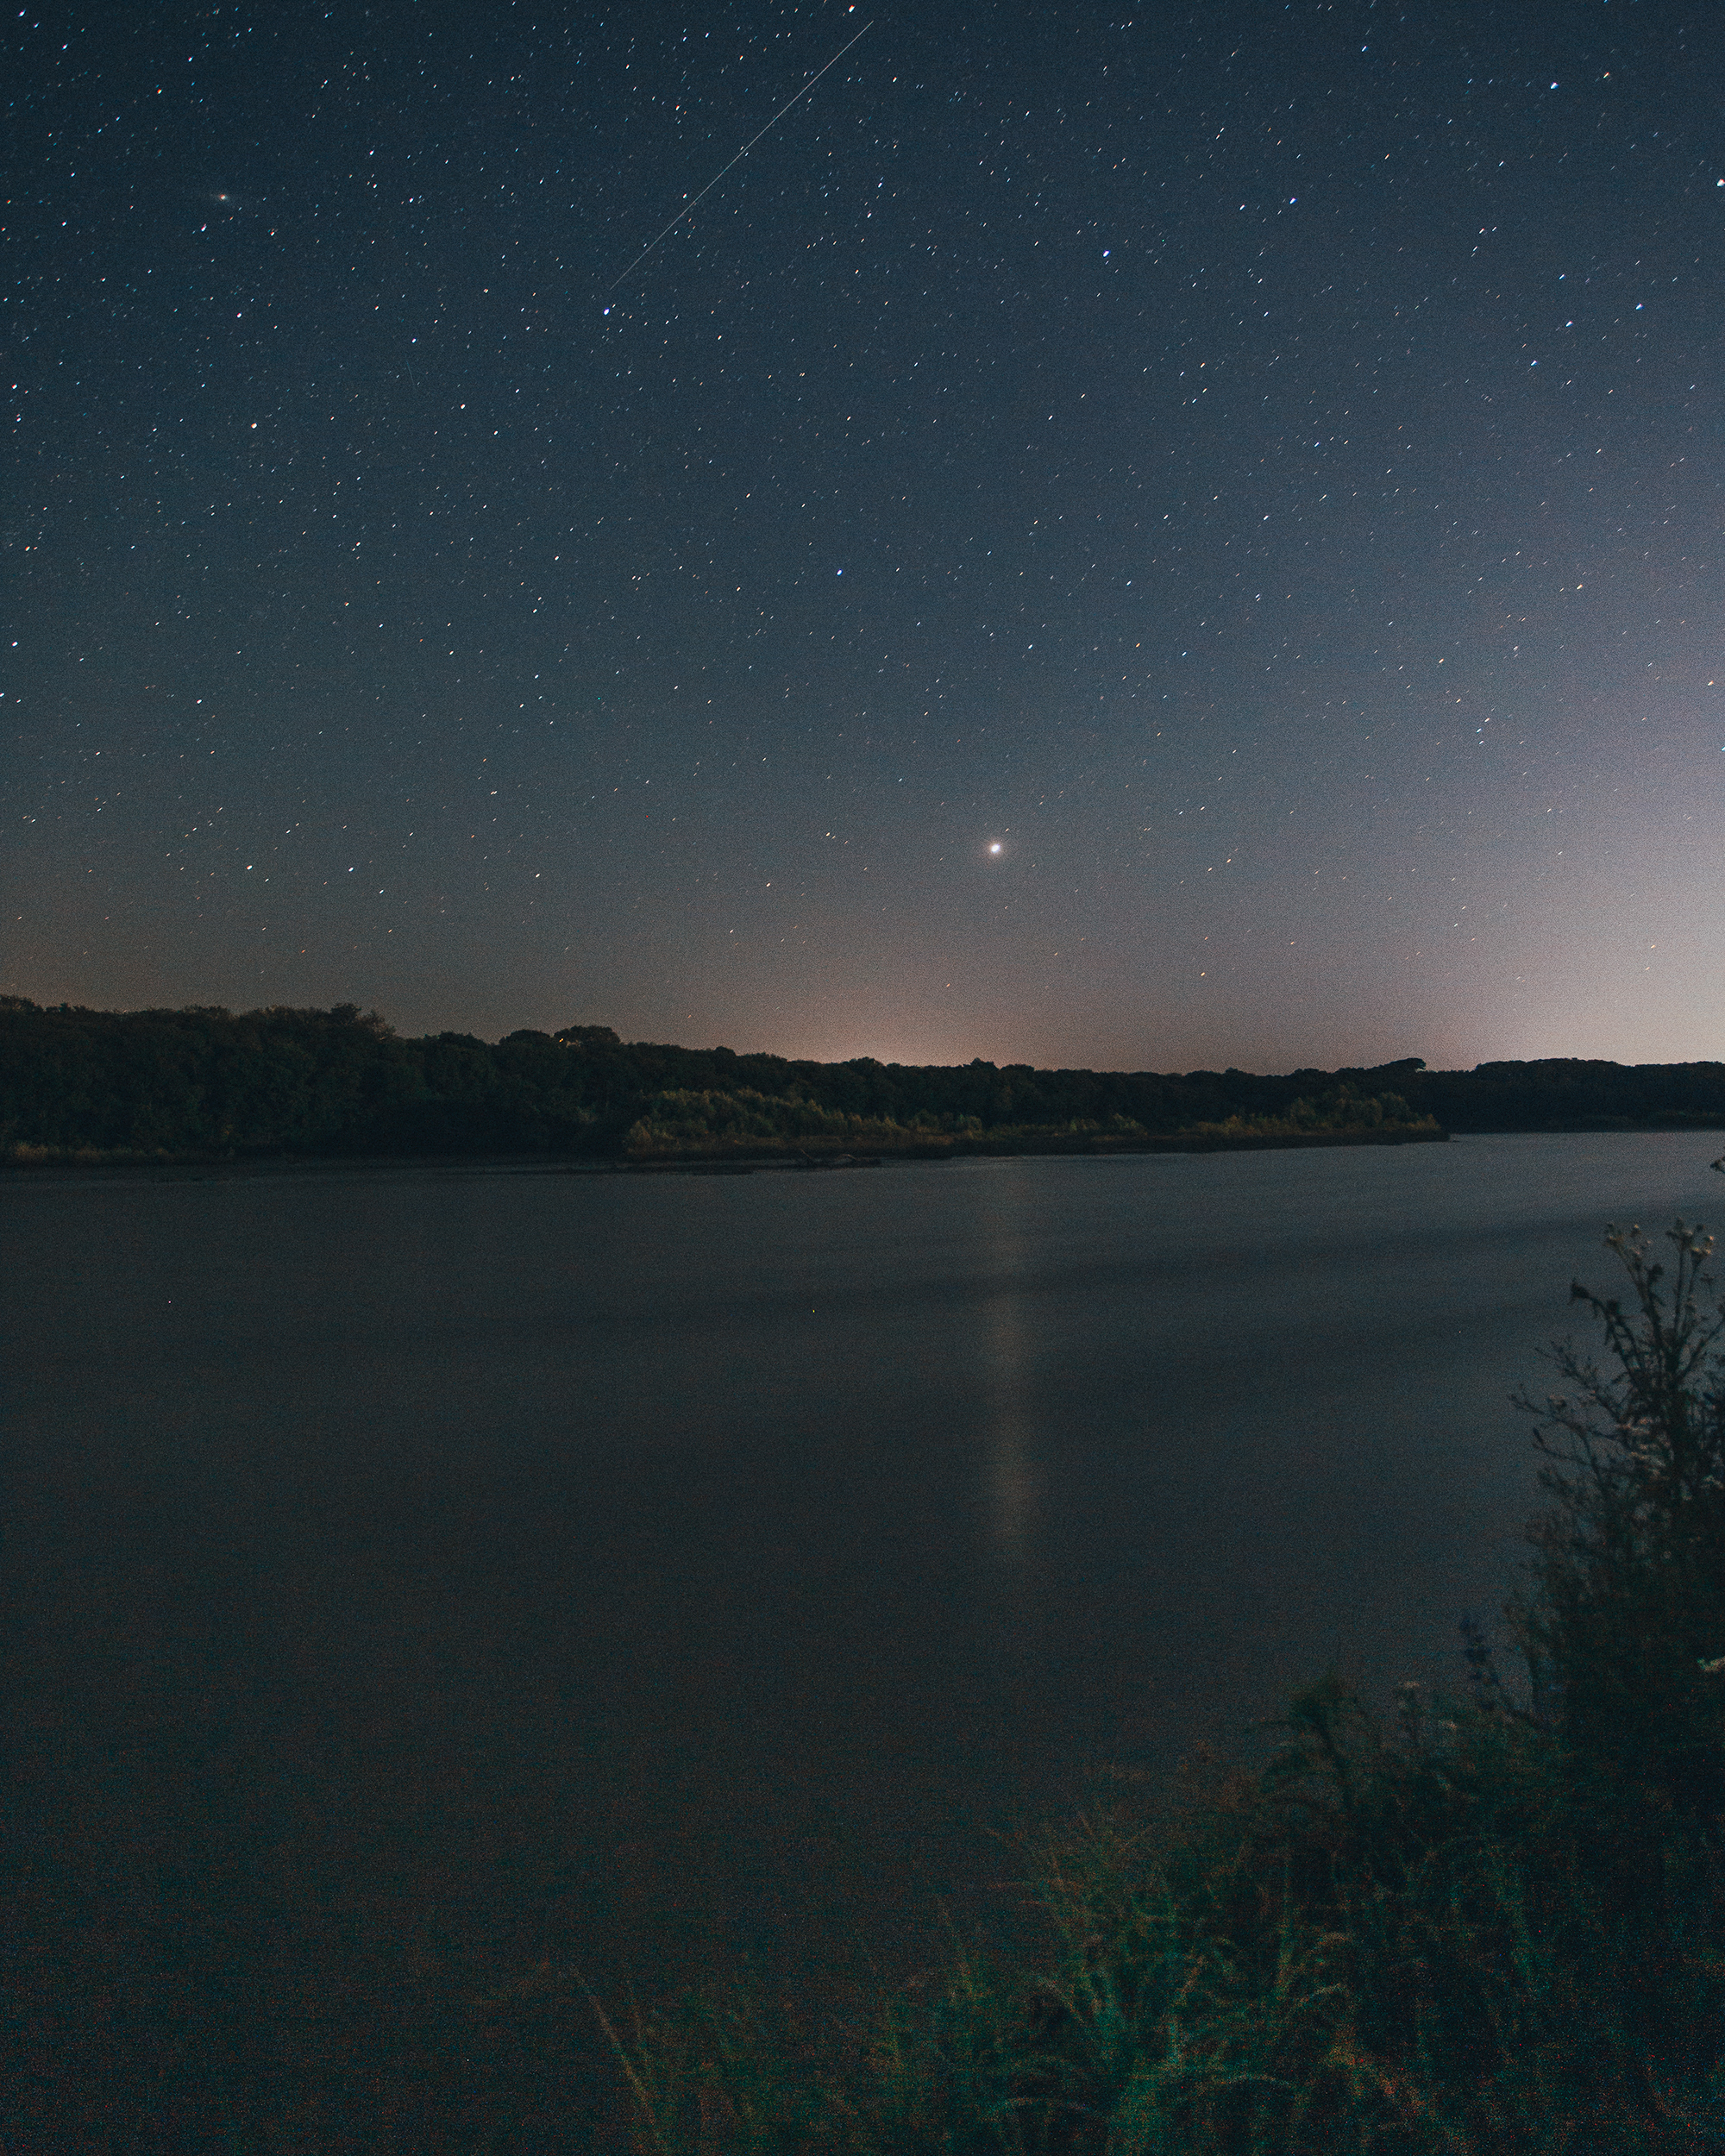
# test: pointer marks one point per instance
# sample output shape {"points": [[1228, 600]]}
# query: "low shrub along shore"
{"points": [[1496, 1924], [710, 1126]]}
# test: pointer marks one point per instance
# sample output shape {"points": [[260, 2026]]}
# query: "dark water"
{"points": [[416, 1578]]}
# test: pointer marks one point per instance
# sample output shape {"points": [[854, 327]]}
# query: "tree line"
{"points": [[206, 1081]]}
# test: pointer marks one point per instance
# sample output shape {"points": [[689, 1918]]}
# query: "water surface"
{"points": [[411, 1575]]}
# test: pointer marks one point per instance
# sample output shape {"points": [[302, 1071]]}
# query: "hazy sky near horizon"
{"points": [[1160, 536]]}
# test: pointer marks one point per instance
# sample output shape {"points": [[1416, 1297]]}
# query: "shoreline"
{"points": [[1055, 1146], [814, 1156]]}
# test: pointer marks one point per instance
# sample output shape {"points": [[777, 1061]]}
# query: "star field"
{"points": [[1259, 467]]}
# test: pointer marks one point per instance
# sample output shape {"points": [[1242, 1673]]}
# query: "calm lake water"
{"points": [[412, 1576]]}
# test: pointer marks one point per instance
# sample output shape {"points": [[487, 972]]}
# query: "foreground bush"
{"points": [[1498, 1926]]}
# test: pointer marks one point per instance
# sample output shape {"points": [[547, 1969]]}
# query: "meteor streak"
{"points": [[740, 155]]}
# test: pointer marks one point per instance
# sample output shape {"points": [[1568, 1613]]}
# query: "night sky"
{"points": [[1154, 537]]}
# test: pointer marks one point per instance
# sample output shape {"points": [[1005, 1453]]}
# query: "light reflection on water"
{"points": [[1010, 1447]]}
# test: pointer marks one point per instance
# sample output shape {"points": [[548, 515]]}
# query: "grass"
{"points": [[1495, 1925]]}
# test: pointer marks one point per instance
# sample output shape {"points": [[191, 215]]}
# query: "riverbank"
{"points": [[748, 1156]]}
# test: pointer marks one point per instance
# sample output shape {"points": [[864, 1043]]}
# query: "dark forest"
{"points": [[205, 1082]]}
